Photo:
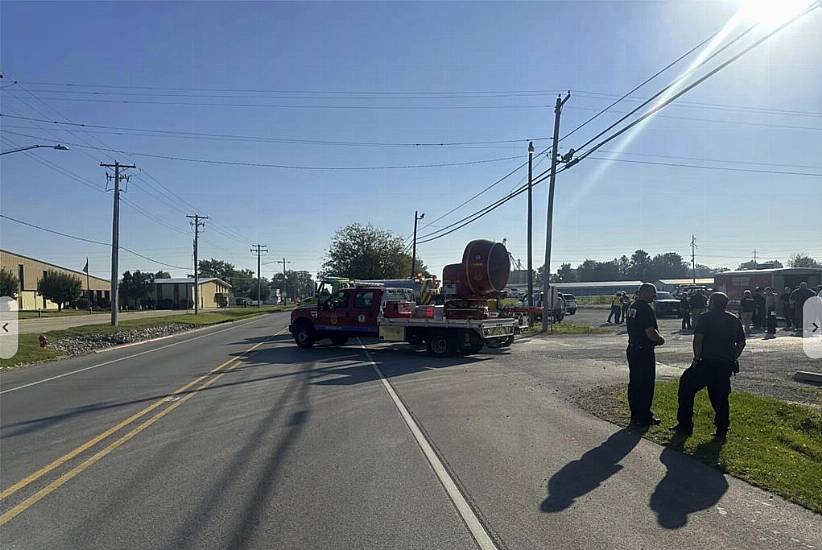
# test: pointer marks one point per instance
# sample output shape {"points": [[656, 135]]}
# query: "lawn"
{"points": [[29, 350], [54, 313], [564, 328], [771, 444]]}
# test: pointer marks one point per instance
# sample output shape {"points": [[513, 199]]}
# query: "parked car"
{"points": [[570, 303], [666, 305]]}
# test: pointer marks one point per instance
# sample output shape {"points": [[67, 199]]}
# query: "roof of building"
{"points": [[688, 281], [75, 271], [772, 270], [189, 280], [597, 284]]}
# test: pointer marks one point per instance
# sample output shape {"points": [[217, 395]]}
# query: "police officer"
{"points": [[718, 342], [643, 336]]}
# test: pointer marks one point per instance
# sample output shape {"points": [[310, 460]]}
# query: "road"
{"points": [[234, 438]]}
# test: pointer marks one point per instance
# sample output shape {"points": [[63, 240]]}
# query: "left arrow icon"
{"points": [[5, 327]]}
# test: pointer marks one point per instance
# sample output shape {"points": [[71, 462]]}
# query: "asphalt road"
{"points": [[234, 438]]}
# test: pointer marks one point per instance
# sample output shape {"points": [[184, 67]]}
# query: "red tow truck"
{"points": [[461, 325]]}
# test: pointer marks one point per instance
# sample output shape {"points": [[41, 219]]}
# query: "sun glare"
{"points": [[770, 13]]}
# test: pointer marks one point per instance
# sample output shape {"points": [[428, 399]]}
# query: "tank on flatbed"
{"points": [[482, 273]]}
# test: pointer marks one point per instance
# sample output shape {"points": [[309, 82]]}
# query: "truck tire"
{"points": [[440, 344], [338, 339], [304, 335], [470, 343]]}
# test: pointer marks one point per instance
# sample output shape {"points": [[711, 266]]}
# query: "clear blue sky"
{"points": [[603, 209]]}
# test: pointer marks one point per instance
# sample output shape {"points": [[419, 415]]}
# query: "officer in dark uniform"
{"points": [[718, 342], [643, 336]]}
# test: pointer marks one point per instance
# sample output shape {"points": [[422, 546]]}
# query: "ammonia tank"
{"points": [[484, 271]]}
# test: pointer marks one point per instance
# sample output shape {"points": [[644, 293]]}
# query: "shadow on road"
{"points": [[688, 486], [586, 474]]}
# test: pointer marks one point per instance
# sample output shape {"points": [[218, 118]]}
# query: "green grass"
{"points": [[594, 300], [54, 313], [29, 350], [509, 302], [771, 444]]}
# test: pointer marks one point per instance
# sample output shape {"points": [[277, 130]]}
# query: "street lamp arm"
{"points": [[58, 147]]}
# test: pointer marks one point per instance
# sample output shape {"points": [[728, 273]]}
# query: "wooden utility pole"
{"points": [[417, 217], [259, 250], [530, 227], [115, 237], [197, 224], [285, 281], [693, 259], [546, 301]]}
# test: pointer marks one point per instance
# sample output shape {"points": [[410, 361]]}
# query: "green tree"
{"points": [[59, 287], [241, 281], [366, 252], [216, 268], [801, 260], [136, 288], [668, 266], [624, 267], [565, 274], [264, 287], [162, 275], [9, 285], [760, 265], [298, 284], [640, 266]]}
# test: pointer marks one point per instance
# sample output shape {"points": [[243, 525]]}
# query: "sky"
{"points": [[344, 85]]}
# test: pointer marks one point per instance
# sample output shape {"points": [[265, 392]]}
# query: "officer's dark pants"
{"points": [[642, 372], [614, 312], [716, 375], [787, 312], [771, 321], [624, 314], [686, 320]]}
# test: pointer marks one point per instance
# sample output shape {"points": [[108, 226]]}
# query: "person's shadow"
{"points": [[586, 474], [688, 486]]}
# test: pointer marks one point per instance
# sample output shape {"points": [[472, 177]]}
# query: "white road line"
{"points": [[124, 358], [481, 536]]}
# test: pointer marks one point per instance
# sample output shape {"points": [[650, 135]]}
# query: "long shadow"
{"points": [[238, 467], [347, 366], [688, 486], [586, 474]]}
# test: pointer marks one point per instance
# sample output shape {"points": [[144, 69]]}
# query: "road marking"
{"points": [[123, 358], [120, 425], [481, 536]]}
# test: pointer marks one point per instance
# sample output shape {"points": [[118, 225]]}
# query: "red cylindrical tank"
{"points": [[484, 270]]}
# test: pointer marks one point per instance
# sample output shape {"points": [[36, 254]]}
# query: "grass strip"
{"points": [[29, 350], [771, 444]]}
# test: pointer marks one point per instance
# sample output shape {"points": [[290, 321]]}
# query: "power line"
{"points": [[91, 241], [688, 87], [285, 166], [702, 167]]}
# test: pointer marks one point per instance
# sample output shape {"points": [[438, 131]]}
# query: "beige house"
{"points": [[29, 272], [179, 293]]}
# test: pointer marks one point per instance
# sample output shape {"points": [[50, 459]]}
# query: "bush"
{"points": [[59, 287], [8, 284], [82, 303], [221, 299]]}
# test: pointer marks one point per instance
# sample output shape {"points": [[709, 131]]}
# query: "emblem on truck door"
{"points": [[361, 318]]}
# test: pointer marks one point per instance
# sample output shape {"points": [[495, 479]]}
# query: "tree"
{"points": [[800, 260], [297, 284], [592, 270], [565, 274], [772, 264], [59, 287], [668, 266], [136, 288], [216, 268], [640, 266], [9, 285], [162, 275], [366, 252], [264, 287], [624, 267], [241, 281]]}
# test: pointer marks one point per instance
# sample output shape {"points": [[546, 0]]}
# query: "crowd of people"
{"points": [[758, 309]]}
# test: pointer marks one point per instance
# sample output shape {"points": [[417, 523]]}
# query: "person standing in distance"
{"points": [[698, 304], [685, 311], [643, 337], [798, 298], [787, 310], [718, 343]]}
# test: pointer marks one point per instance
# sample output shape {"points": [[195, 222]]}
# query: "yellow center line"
{"points": [[117, 427]]}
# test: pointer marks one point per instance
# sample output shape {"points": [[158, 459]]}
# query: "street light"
{"points": [[58, 147], [417, 217]]}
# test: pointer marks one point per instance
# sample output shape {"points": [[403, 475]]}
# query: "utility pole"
{"points": [[259, 250], [115, 236], [530, 226], [285, 280], [754, 259], [546, 302], [693, 259], [197, 224], [417, 217]]}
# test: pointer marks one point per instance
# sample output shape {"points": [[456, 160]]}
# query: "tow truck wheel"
{"points": [[339, 339], [304, 335], [439, 345]]}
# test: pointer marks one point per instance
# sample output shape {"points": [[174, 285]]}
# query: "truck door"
{"points": [[332, 312], [361, 315]]}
